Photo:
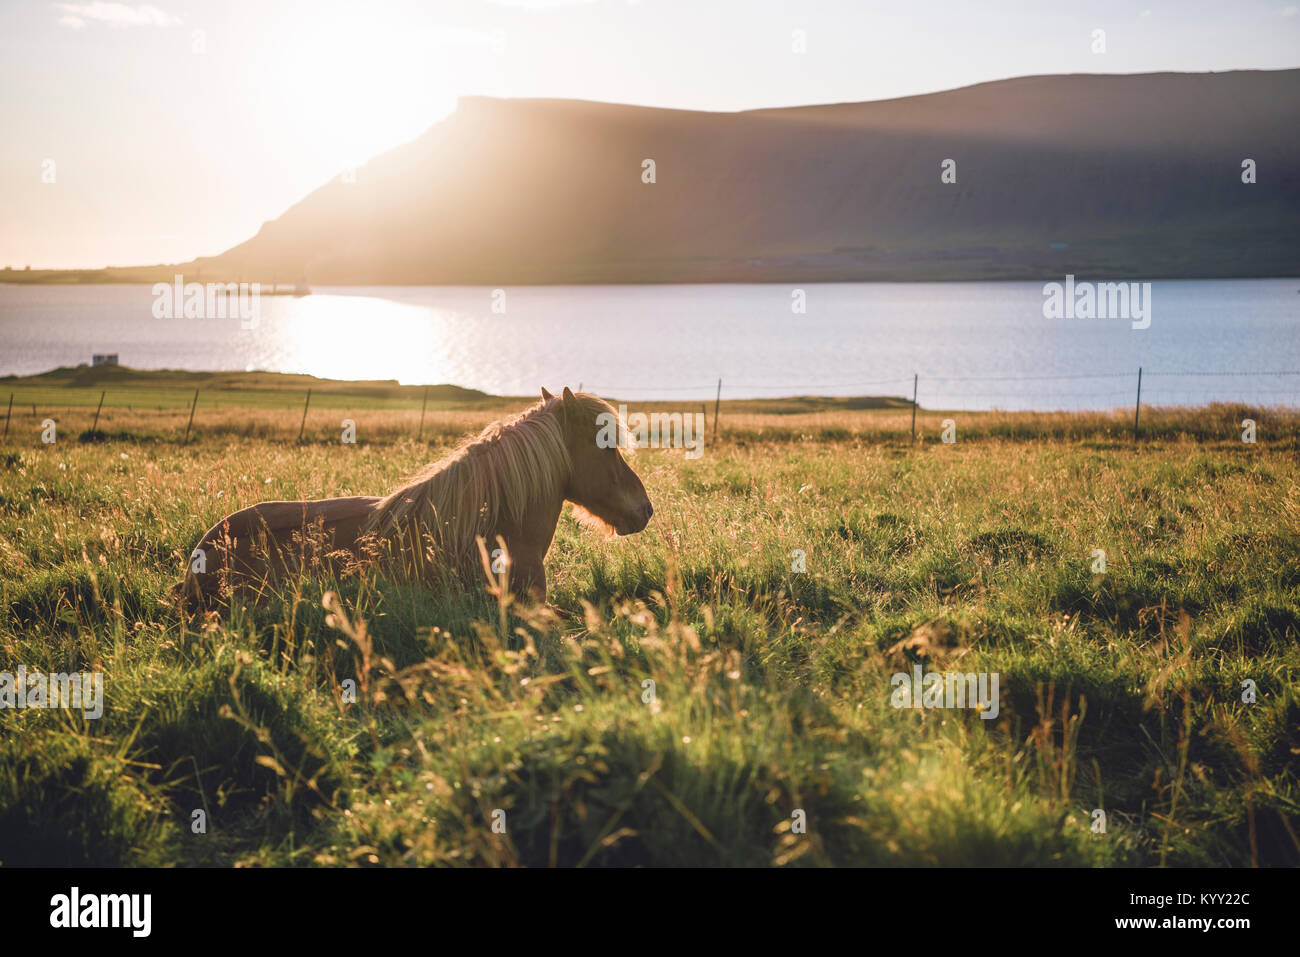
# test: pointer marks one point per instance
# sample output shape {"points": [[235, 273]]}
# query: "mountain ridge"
{"points": [[1111, 175]]}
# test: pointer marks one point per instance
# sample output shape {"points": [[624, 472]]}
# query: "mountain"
{"points": [[1104, 176]]}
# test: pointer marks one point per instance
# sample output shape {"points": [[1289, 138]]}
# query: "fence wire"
{"points": [[926, 392]]}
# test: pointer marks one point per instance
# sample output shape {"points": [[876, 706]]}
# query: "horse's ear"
{"points": [[546, 396], [568, 405]]}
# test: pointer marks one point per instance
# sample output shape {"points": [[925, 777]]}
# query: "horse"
{"points": [[509, 483]]}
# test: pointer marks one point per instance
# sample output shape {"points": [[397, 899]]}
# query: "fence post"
{"points": [[716, 402], [1137, 409], [193, 405], [915, 377], [423, 406], [10, 414], [95, 427], [304, 415]]}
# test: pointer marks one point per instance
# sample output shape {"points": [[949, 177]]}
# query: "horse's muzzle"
{"points": [[640, 522]]}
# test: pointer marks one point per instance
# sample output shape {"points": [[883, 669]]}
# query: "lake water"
{"points": [[974, 345]]}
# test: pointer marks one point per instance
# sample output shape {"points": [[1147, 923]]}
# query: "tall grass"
{"points": [[688, 697]]}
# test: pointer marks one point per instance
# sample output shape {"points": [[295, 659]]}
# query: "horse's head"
{"points": [[601, 484]]}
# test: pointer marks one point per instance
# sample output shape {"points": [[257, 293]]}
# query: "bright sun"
{"points": [[354, 87]]}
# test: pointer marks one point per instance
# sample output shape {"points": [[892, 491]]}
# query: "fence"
{"points": [[103, 405], [937, 390], [1121, 389]]}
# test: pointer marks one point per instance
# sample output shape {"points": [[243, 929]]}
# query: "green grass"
{"points": [[1119, 691], [82, 387]]}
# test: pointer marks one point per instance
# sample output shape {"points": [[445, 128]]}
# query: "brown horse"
{"points": [[511, 481]]}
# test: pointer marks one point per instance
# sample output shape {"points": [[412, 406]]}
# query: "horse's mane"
{"points": [[508, 466]]}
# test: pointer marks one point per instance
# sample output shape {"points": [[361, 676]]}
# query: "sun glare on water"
{"points": [[321, 335]]}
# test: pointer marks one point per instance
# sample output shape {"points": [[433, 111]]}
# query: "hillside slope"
{"points": [[1107, 175]]}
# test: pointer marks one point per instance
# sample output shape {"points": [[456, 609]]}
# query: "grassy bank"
{"points": [[696, 695], [93, 403]]}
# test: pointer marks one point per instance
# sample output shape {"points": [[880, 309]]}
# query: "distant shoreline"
{"points": [[58, 277], [83, 384], [121, 386]]}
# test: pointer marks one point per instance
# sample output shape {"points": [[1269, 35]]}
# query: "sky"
{"points": [[135, 134]]}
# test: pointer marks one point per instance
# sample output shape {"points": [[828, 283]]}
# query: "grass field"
{"points": [[692, 696]]}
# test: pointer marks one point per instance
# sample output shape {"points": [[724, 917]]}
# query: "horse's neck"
{"points": [[530, 537]]}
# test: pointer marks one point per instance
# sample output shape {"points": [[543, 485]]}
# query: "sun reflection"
{"points": [[322, 335]]}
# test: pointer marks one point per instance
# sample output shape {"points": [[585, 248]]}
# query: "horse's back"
{"points": [[257, 541], [282, 516]]}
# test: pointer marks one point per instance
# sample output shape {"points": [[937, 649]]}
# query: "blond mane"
{"points": [[510, 465]]}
